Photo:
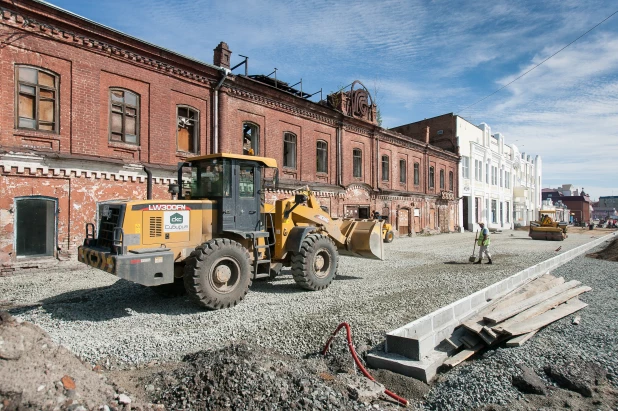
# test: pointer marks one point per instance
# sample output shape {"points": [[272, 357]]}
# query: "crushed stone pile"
{"points": [[240, 377]]}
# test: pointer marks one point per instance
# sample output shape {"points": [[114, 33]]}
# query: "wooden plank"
{"points": [[470, 340], [520, 339], [548, 317], [509, 312], [542, 307], [463, 355], [455, 338]]}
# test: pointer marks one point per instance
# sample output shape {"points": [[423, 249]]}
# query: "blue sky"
{"points": [[423, 59]]}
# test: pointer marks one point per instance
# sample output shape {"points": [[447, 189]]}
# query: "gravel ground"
{"points": [[104, 320], [487, 380]]}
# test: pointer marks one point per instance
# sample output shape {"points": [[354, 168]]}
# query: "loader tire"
{"points": [[389, 236], [218, 274], [314, 267]]}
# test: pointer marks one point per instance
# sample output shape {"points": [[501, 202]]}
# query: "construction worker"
{"points": [[483, 242]]}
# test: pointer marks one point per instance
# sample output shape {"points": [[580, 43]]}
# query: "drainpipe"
{"points": [[215, 145], [339, 156], [148, 184]]}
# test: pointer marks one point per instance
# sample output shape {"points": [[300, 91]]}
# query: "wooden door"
{"points": [[432, 218], [417, 220], [403, 221]]}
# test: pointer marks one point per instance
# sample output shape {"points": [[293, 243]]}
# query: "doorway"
{"points": [[466, 218], [35, 226], [403, 221]]}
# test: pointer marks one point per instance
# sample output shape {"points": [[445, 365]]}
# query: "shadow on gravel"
{"points": [[456, 263], [110, 302]]}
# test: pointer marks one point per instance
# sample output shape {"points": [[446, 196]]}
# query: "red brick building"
{"points": [[86, 107]]}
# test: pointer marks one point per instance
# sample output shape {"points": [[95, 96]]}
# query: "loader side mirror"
{"points": [[300, 198]]}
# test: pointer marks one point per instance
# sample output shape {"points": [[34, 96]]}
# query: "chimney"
{"points": [[222, 55], [426, 134]]}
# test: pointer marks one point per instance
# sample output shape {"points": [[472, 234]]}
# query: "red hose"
{"points": [[400, 400]]}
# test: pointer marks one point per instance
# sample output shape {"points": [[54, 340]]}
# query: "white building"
{"points": [[498, 185]]}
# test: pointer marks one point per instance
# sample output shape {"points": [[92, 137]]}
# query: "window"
{"points": [[250, 139], [37, 99], [494, 175], [478, 170], [402, 171], [487, 173], [465, 167], [417, 171], [246, 181], [508, 212], [441, 179], [431, 177], [187, 130], [501, 171], [385, 168], [123, 116], [357, 163], [493, 211], [289, 150], [450, 180], [322, 157]]}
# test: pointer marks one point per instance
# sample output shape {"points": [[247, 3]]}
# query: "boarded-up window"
{"points": [[322, 156], [123, 116], [289, 150], [187, 131], [385, 168], [250, 139], [37, 99], [357, 163]]}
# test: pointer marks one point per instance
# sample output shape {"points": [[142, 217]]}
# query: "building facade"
{"points": [[498, 185], [87, 107]]}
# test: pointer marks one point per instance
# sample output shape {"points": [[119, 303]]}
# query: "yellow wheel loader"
{"points": [[547, 228], [219, 236]]}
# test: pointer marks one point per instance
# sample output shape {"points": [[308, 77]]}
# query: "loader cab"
{"points": [[234, 183]]}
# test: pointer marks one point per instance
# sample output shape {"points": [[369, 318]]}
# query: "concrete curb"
{"points": [[417, 341]]}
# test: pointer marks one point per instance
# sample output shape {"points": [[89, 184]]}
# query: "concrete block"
{"points": [[442, 317], [424, 370], [462, 307], [410, 347], [477, 300]]}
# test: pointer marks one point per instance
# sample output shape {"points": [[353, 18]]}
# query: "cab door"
{"points": [[247, 196]]}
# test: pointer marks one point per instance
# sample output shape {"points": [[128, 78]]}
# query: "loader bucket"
{"points": [[363, 239]]}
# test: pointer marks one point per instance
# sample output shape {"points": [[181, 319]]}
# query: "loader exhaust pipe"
{"points": [[148, 184]]}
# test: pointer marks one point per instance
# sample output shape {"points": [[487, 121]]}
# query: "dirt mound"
{"points": [[241, 377], [609, 253]]}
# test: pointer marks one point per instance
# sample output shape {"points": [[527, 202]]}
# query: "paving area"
{"points": [[120, 325]]}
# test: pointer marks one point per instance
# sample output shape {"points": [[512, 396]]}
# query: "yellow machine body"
{"points": [[548, 229]]}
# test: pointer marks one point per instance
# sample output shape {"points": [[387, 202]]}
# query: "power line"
{"points": [[506, 85]]}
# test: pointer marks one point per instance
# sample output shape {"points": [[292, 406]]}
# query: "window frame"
{"points": [[450, 181], [417, 174], [385, 160], [432, 177], [285, 143], [356, 158], [465, 166], [494, 211], [403, 171], [321, 152], [442, 179], [196, 130], [124, 105], [37, 98], [255, 145]]}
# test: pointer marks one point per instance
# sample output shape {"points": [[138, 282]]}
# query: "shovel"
{"points": [[473, 257]]}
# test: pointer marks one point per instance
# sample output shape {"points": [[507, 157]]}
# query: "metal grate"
{"points": [[156, 226], [109, 220]]}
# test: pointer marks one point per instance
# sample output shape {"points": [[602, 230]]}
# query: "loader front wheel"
{"points": [[389, 236], [314, 267], [218, 274]]}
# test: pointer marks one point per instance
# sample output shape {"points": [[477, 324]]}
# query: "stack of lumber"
{"points": [[516, 317]]}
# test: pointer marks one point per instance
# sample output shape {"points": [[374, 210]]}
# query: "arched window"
{"points": [[417, 172], [250, 138], [431, 177], [441, 179], [385, 168], [321, 156], [450, 180], [37, 99], [357, 163], [402, 171], [289, 150], [123, 116], [187, 129]]}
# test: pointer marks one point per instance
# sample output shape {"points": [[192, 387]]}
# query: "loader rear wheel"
{"points": [[218, 274], [389, 237], [314, 267]]}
